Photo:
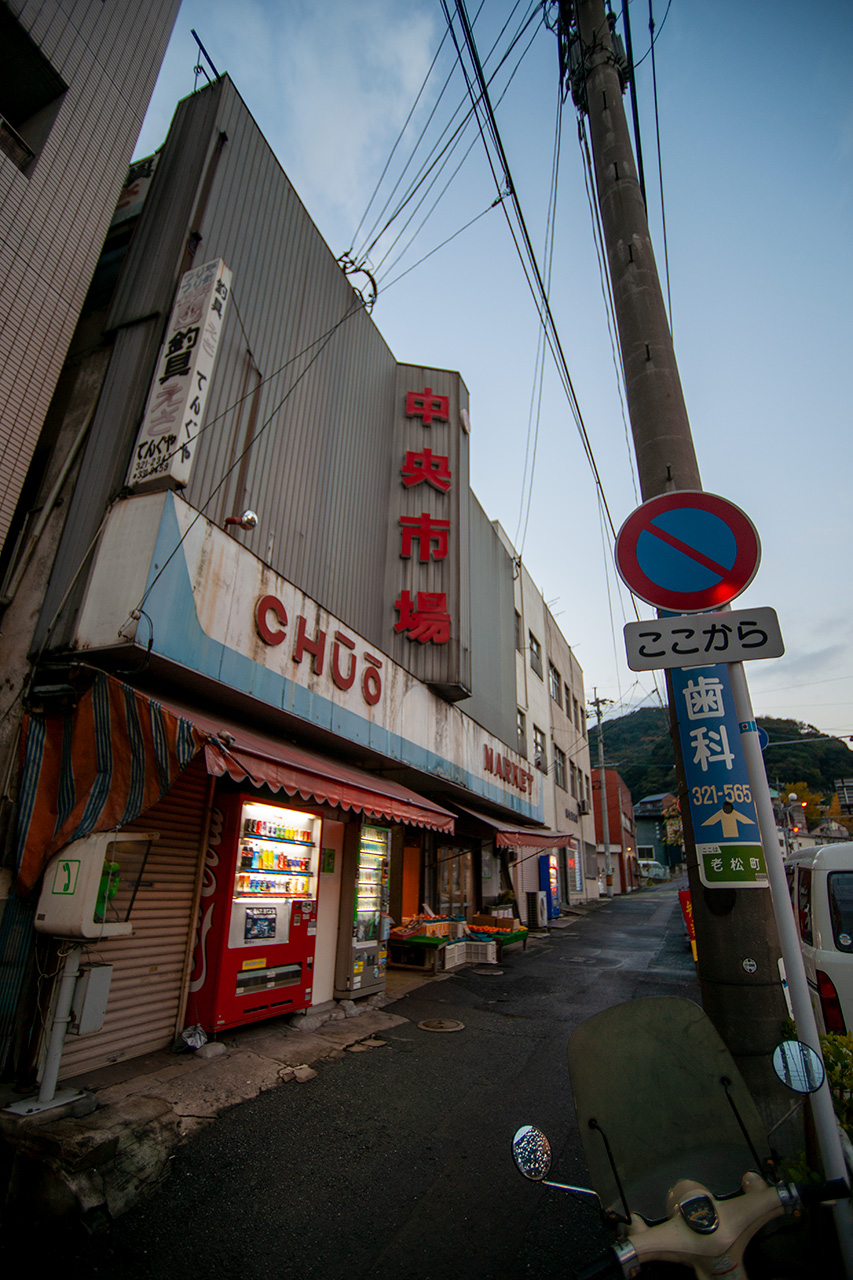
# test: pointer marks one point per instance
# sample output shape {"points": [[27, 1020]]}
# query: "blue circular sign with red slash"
{"points": [[687, 551]]}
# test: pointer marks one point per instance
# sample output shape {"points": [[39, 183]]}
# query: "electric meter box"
{"points": [[90, 886]]}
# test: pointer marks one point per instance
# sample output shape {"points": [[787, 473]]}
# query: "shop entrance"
{"points": [[455, 868]]}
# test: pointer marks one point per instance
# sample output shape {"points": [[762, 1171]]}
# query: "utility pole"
{"points": [[736, 929], [746, 1005], [598, 703]]}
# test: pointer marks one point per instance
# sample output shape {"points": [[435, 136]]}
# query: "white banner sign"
{"points": [[166, 443], [702, 639]]}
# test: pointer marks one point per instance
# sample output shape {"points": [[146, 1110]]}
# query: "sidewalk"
{"points": [[89, 1161]]}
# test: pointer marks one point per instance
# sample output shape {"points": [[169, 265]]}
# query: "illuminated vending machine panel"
{"points": [[258, 920], [549, 880], [363, 949]]}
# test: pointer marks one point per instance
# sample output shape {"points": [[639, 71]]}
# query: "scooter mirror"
{"points": [[531, 1152], [798, 1066]]}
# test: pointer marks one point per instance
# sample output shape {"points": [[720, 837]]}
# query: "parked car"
{"points": [[651, 870], [820, 880]]}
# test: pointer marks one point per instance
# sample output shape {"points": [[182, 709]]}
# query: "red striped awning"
{"points": [[249, 756], [510, 837]]}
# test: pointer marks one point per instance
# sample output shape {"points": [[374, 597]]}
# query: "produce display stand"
{"points": [[416, 952]]}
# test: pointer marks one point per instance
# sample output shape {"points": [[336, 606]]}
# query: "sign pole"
{"points": [[746, 1007], [823, 1113]]}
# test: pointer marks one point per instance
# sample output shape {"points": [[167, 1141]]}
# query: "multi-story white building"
{"points": [[552, 735]]}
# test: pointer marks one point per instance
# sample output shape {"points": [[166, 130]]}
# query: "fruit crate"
{"points": [[457, 929], [453, 955], [481, 952], [434, 928]]}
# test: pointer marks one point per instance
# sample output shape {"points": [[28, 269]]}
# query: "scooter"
{"points": [[677, 1153]]}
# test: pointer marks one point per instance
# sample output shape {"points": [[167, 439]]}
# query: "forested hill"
{"points": [[639, 747]]}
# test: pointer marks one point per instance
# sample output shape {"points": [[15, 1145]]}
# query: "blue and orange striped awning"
{"points": [[94, 768]]}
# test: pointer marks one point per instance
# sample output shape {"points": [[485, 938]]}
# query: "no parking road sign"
{"points": [[688, 551]]}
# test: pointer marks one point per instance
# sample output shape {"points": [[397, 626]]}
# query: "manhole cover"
{"points": [[489, 972], [441, 1024]]}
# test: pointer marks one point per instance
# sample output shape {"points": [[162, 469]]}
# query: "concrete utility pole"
{"points": [[598, 703], [746, 1008]]}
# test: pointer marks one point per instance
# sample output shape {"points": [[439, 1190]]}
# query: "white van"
{"points": [[821, 885], [652, 870]]}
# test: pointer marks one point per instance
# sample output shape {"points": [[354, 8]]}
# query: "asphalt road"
{"points": [[396, 1162]]}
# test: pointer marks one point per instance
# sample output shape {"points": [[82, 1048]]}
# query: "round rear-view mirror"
{"points": [[531, 1152], [798, 1066]]}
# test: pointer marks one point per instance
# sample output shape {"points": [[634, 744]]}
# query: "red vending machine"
{"points": [[258, 921]]}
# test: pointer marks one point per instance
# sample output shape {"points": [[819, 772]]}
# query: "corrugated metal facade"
{"points": [[301, 369], [150, 967], [55, 212]]}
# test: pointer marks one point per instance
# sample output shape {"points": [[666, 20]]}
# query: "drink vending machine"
{"points": [[254, 953], [549, 880], [363, 942]]}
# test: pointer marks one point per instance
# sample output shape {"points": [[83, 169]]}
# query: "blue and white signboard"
{"points": [[725, 823]]}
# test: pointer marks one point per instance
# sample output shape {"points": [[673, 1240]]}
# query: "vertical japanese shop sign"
{"points": [[429, 489], [725, 823], [167, 438]]}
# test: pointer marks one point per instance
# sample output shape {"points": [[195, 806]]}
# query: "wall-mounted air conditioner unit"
{"points": [[583, 806]]}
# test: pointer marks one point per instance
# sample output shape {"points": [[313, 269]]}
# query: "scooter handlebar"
{"points": [[820, 1192]]}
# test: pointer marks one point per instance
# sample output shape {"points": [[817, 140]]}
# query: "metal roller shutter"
{"points": [[150, 967]]}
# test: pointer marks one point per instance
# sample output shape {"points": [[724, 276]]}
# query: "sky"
{"points": [[755, 165]]}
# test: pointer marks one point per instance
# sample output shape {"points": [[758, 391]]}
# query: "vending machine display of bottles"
{"points": [[258, 921], [549, 880], [363, 945]]}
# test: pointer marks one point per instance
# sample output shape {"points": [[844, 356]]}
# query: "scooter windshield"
{"points": [[650, 1075]]}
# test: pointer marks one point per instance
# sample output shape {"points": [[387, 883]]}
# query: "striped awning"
{"points": [[511, 837], [94, 768], [247, 755], [117, 752]]}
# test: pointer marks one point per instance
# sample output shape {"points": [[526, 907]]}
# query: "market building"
{"points": [[273, 703]]}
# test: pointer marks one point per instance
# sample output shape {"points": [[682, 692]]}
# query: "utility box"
{"points": [[90, 886], [537, 910], [89, 1002]]}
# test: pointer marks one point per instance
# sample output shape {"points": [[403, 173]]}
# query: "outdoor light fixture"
{"points": [[248, 520]]}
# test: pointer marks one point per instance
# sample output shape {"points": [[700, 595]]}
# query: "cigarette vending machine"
{"points": [[363, 941], [254, 954]]}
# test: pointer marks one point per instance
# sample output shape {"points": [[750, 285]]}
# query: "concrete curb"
{"points": [[68, 1170]]}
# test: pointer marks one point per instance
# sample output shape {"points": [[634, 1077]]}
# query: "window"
{"points": [[535, 654], [540, 755], [560, 767], [804, 905], [30, 94], [574, 777], [518, 633], [555, 684], [577, 713], [522, 732]]}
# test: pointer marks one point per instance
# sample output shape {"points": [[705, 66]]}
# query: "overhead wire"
{"points": [[443, 155], [660, 162], [539, 365], [352, 310], [443, 191], [530, 267]]}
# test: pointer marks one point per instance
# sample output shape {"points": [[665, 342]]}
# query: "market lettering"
{"points": [[502, 767], [271, 623]]}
